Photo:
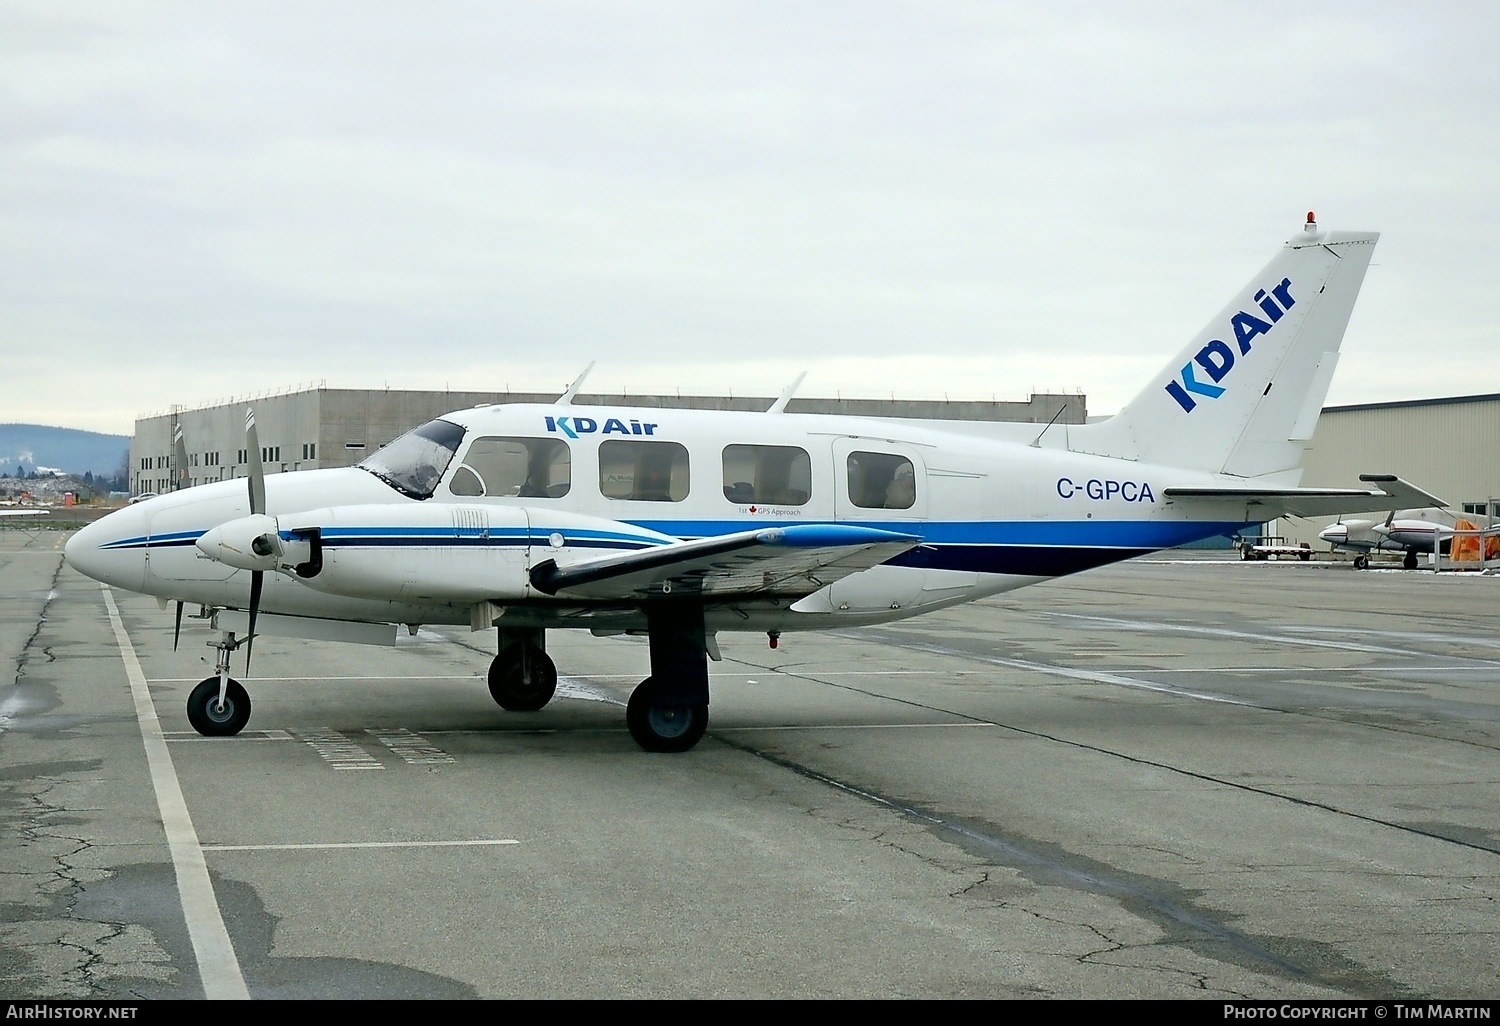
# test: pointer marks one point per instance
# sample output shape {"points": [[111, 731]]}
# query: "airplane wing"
{"points": [[1268, 503], [24, 512], [796, 560]]}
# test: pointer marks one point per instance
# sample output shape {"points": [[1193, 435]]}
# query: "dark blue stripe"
{"points": [[354, 541], [1033, 549], [1025, 560], [1139, 535]]}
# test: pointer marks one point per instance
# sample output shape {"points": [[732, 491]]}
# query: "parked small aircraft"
{"points": [[679, 524], [1411, 531]]}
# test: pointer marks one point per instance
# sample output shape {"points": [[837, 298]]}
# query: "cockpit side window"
{"points": [[530, 468], [414, 463]]}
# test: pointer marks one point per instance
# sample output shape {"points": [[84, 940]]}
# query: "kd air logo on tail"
{"points": [[1216, 359]]}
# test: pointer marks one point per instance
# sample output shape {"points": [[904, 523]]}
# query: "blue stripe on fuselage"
{"points": [[1141, 535], [1032, 549]]}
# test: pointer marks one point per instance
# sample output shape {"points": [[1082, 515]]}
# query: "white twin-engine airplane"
{"points": [[1408, 530], [683, 523]]}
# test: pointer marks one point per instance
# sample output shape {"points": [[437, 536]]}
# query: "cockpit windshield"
{"points": [[414, 463]]}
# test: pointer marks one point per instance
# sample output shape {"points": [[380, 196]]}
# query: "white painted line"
{"points": [[1454, 637], [176, 736], [339, 751], [1092, 676], [1272, 670], [356, 844], [218, 968], [414, 749], [1115, 623], [810, 667], [850, 726], [361, 677], [1120, 680]]}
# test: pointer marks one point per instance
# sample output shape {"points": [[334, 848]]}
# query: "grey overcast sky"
{"points": [[924, 199]]}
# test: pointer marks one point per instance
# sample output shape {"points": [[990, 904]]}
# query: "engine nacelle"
{"points": [[407, 551], [411, 551], [250, 543]]}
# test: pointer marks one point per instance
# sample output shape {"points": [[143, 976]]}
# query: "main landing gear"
{"points": [[219, 706], [1409, 562], [522, 677], [667, 712], [663, 723]]}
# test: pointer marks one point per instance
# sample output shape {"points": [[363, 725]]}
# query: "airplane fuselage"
{"points": [[993, 515]]}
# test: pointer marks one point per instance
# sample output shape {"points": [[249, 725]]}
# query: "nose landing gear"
{"points": [[219, 706]]}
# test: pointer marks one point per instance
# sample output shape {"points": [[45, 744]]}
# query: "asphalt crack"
{"points": [[1171, 908]]}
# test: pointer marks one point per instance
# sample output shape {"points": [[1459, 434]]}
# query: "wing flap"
{"points": [[1268, 503], [792, 561]]}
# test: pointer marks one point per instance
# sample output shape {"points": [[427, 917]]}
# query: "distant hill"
{"points": [[28, 447]]}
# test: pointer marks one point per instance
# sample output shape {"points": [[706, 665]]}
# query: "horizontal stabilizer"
{"points": [[1261, 504], [1409, 494], [795, 560]]}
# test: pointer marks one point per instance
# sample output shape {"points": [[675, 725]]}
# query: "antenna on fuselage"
{"points": [[779, 406], [1036, 443], [567, 397]]}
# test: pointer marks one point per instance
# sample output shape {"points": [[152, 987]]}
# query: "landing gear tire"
{"points": [[1410, 562], [659, 727], [1360, 562], [211, 719], [522, 681]]}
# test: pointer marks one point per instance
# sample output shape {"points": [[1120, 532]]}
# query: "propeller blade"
{"points": [[257, 476], [177, 630], [179, 457], [257, 578]]}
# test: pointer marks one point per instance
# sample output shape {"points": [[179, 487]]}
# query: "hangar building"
{"points": [[334, 427], [1447, 447]]}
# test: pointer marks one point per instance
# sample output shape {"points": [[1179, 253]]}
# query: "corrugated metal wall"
{"points": [[1449, 447]]}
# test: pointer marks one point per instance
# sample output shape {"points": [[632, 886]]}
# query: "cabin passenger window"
{"points": [[643, 471], [528, 468], [879, 480], [777, 475]]}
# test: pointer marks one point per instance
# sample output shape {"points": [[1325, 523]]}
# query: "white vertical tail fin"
{"points": [[1244, 395]]}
